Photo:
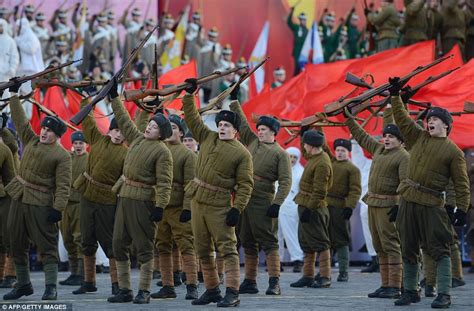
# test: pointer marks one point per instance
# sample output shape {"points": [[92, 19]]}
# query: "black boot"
{"points": [[183, 277], [442, 301], [248, 287], [191, 292], [408, 297], [231, 298], [63, 266], [124, 295], [391, 293], [377, 292], [142, 297], [8, 282], [303, 282], [273, 286], [430, 291], [72, 280], [457, 282], [50, 292], [86, 287], [343, 277], [156, 275], [210, 295], [165, 292], [297, 265], [177, 278], [373, 267], [19, 291], [200, 277], [322, 282], [115, 288]]}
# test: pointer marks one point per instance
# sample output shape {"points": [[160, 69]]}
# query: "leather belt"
{"points": [[383, 196], [96, 183], [305, 192], [209, 187], [259, 178], [135, 183], [424, 189], [32, 186], [178, 185], [335, 196]]}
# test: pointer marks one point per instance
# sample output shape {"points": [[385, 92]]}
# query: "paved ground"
{"points": [[341, 296]]}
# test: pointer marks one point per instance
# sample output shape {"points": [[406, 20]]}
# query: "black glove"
{"points": [[15, 87], [392, 213], [459, 218], [450, 211], [346, 213], [156, 214], [4, 120], [395, 87], [191, 89], [366, 11], [113, 93], [303, 130], [235, 93], [185, 215], [54, 215], [232, 218], [305, 216], [273, 211]]}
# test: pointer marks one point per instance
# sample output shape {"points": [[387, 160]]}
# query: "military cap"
{"points": [[168, 18], [164, 124], [136, 12], [279, 70], [302, 16], [188, 134], [150, 22], [341, 142], [55, 125], [77, 136], [394, 130], [227, 50], [313, 138], [229, 116], [110, 15], [102, 17], [441, 113], [40, 16], [213, 32], [270, 122], [3, 10], [62, 14], [29, 8], [60, 43], [196, 15]]}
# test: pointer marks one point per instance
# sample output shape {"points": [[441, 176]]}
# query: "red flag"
{"points": [[176, 76]]}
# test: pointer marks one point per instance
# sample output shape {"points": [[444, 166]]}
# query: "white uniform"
{"points": [[288, 218], [9, 58]]}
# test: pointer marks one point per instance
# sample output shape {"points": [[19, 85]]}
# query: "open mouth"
{"points": [[431, 128]]}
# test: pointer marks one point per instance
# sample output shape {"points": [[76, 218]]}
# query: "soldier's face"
{"points": [[152, 131], [40, 23], [116, 136], [265, 135], [79, 147], [342, 153], [47, 136], [190, 143], [390, 141], [176, 136], [308, 148], [302, 22], [226, 130], [436, 127]]}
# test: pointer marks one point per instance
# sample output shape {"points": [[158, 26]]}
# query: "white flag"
{"points": [[258, 54]]}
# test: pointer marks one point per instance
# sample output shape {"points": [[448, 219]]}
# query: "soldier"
{"points": [[100, 42], [144, 190], [422, 218], [454, 27], [189, 142], [148, 51], [313, 230], [166, 33], [194, 36], [342, 199], [279, 77], [70, 224], [388, 169], [176, 225], [300, 31], [8, 55], [42, 33], [386, 22], [435, 22], [59, 25], [259, 222], [98, 202], [326, 26], [244, 86], [415, 24], [353, 34], [113, 38], [208, 60], [132, 28], [39, 193], [224, 167]]}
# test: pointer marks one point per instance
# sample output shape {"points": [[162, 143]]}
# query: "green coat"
{"points": [[386, 22], [184, 165], [10, 140], [388, 169], [48, 166], [270, 161], [435, 24], [226, 164], [346, 185], [299, 35], [6, 167], [148, 162], [415, 26], [428, 166], [104, 165], [454, 21], [79, 165]]}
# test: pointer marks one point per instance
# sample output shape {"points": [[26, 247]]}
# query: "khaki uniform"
{"points": [[170, 228], [223, 168], [415, 26], [270, 164], [43, 182], [422, 219], [454, 28], [145, 184], [386, 22]]}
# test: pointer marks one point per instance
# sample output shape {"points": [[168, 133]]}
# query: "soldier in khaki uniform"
{"points": [[386, 22], [176, 225], [224, 172], [415, 24], [342, 199], [259, 222], [454, 28], [422, 219], [144, 190], [39, 193], [389, 168], [313, 231], [70, 224]]}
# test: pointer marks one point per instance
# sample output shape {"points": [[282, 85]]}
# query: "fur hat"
{"points": [[313, 138], [270, 122], [55, 125], [164, 124], [178, 121], [394, 130], [78, 135], [341, 142], [441, 113], [229, 116]]}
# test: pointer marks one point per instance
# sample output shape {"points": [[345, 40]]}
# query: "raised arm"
{"points": [[409, 129], [244, 179], [89, 127], [125, 123], [355, 188], [193, 120], [289, 21], [378, 19], [284, 179], [365, 140], [63, 182], [164, 178], [247, 136], [22, 125]]}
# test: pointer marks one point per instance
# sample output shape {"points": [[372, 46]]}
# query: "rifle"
{"points": [[51, 113], [44, 83], [7, 84], [338, 107], [118, 77], [468, 108]]}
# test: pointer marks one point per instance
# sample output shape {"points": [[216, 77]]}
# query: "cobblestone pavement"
{"points": [[340, 296]]}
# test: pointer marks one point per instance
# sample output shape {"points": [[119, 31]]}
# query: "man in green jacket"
{"points": [[300, 31], [220, 191], [39, 193], [386, 22], [259, 221], [423, 218], [415, 24]]}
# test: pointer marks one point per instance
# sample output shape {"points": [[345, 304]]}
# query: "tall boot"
{"points": [[10, 274], [166, 268], [383, 263], [113, 275], [456, 266], [410, 285], [443, 278], [273, 264], [373, 267], [190, 268], [23, 287], [232, 280], [156, 267], [144, 284], [177, 267], [3, 259], [429, 270], [125, 293], [74, 278], [308, 271], [249, 285], [220, 267], [211, 282], [394, 278], [324, 270], [89, 276], [50, 280], [343, 259]]}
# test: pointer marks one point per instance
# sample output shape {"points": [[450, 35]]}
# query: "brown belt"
{"points": [[383, 196], [32, 186], [335, 196], [209, 187], [305, 192], [135, 183], [97, 183], [259, 178], [424, 189]]}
